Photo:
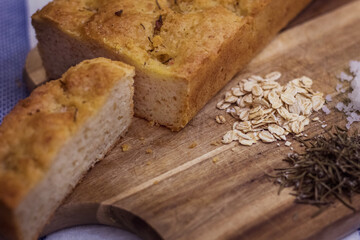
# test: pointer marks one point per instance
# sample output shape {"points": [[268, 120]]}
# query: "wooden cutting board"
{"points": [[178, 192]]}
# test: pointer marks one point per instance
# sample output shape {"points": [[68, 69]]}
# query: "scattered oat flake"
{"points": [[246, 142], [149, 151], [317, 102], [316, 119], [156, 182], [223, 105], [215, 159], [220, 119], [273, 76], [266, 137], [352, 107], [324, 125], [287, 143], [257, 90]]}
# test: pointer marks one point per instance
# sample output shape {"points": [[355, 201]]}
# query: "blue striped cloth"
{"points": [[13, 48]]}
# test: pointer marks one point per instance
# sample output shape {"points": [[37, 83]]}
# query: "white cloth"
{"points": [[92, 232]]}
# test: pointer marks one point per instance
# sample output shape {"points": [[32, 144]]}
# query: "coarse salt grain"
{"points": [[354, 96], [345, 77], [355, 67], [328, 98], [338, 87], [326, 110], [340, 106]]}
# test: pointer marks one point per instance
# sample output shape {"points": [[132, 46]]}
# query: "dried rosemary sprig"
{"points": [[328, 170], [157, 4]]}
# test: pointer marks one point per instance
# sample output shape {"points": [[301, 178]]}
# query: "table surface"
{"points": [[14, 45]]}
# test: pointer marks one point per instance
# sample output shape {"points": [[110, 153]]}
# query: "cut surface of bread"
{"points": [[184, 51], [49, 141]]}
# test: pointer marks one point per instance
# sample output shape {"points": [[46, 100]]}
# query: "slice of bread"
{"points": [[184, 51], [50, 139]]}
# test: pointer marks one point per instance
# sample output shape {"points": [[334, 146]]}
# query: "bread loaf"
{"points": [[50, 139], [184, 51]]}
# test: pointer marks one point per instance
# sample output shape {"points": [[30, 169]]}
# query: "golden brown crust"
{"points": [[182, 41], [201, 42], [32, 133]]}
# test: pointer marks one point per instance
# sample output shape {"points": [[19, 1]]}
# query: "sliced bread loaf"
{"points": [[49, 141]]}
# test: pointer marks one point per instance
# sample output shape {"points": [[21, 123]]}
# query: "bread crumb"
{"points": [[148, 163], [125, 147], [287, 143], [220, 119], [142, 138], [151, 123], [156, 182], [149, 151], [193, 145], [215, 159]]}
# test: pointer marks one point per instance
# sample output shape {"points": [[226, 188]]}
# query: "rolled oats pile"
{"points": [[267, 111]]}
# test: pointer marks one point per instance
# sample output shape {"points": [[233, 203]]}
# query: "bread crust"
{"points": [[202, 42], [38, 126]]}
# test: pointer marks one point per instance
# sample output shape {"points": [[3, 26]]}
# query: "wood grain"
{"points": [[177, 192], [315, 9]]}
